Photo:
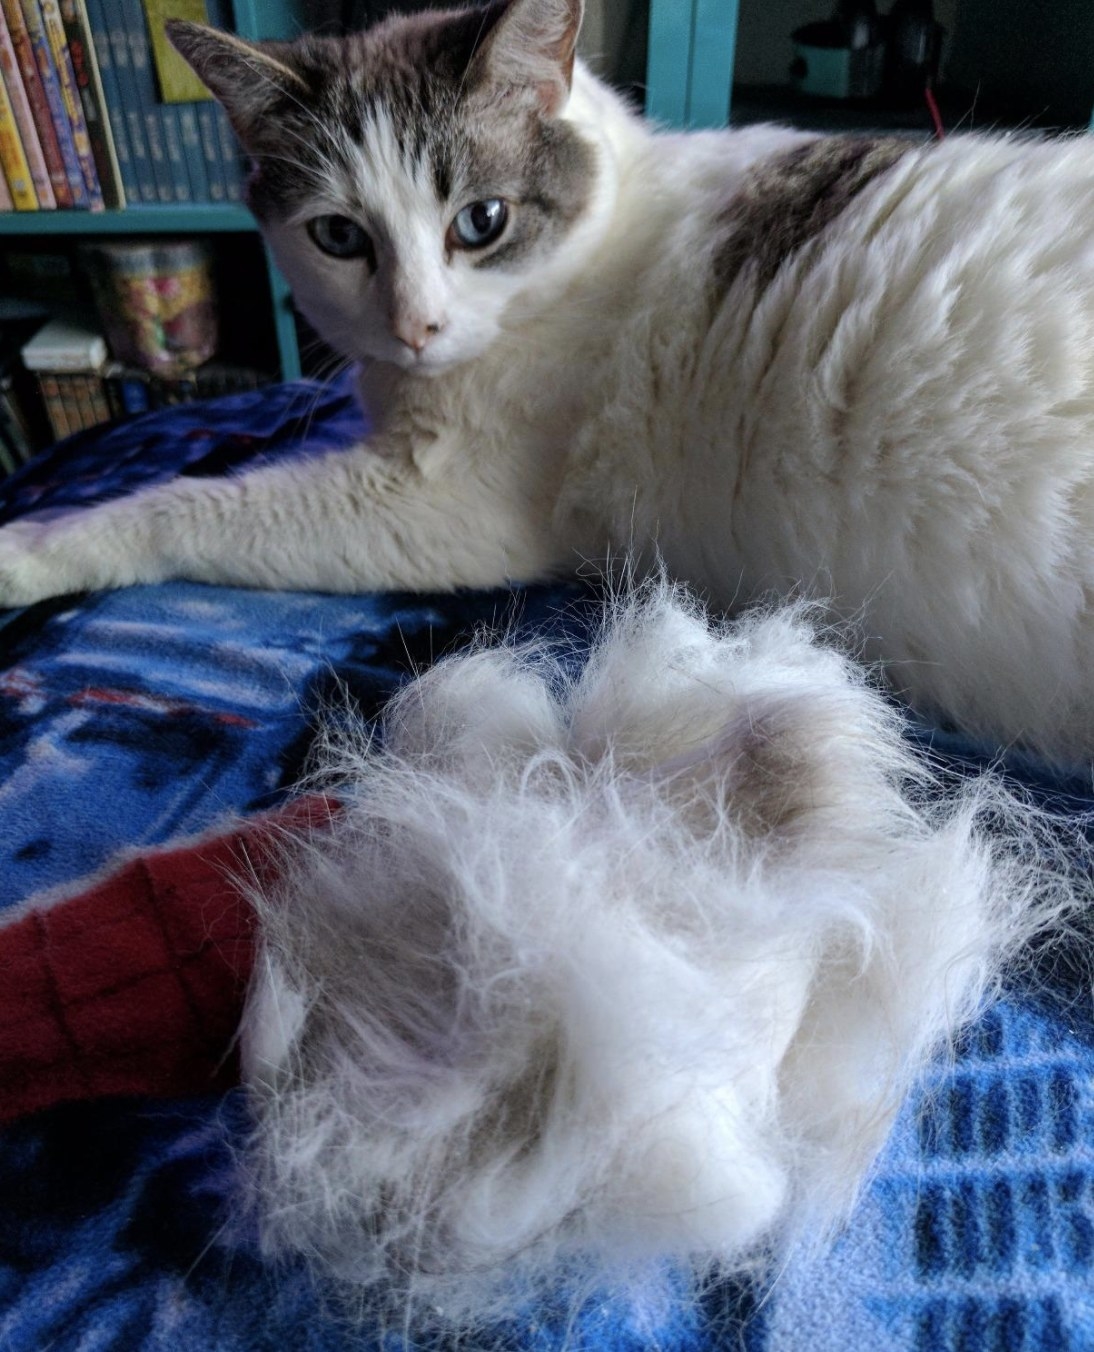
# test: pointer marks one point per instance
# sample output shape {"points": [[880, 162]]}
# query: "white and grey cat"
{"points": [[862, 368]]}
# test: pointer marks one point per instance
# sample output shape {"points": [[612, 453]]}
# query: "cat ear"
{"points": [[529, 45], [248, 78]]}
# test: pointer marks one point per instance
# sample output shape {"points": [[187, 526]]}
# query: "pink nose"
{"points": [[416, 333]]}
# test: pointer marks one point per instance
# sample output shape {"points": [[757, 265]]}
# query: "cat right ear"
{"points": [[531, 46], [248, 78]]}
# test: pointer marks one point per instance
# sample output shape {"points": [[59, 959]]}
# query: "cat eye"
{"points": [[341, 237], [479, 224]]}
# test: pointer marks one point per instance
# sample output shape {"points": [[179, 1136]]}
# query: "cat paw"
{"points": [[26, 571]]}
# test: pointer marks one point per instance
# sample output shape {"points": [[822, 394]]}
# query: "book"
{"points": [[10, 458], [55, 407], [90, 399], [67, 386], [12, 159], [36, 97], [177, 82], [100, 405], [194, 152], [24, 120], [230, 156], [47, 69], [85, 67], [130, 103], [103, 56], [19, 430], [144, 92], [23, 426], [7, 202], [210, 145], [176, 156], [128, 391], [70, 95], [65, 345], [153, 135], [132, 390], [15, 430]]}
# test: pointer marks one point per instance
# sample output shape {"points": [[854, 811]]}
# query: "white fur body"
{"points": [[903, 420], [596, 971]]}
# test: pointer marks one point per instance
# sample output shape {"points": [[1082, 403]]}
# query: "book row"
{"points": [[59, 404], [83, 120]]}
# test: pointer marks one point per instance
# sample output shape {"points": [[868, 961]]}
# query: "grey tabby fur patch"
{"points": [[788, 200]]}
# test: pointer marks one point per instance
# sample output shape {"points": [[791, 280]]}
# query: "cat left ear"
{"points": [[248, 78], [531, 46]]}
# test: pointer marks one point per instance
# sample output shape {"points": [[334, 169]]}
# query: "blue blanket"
{"points": [[135, 717]]}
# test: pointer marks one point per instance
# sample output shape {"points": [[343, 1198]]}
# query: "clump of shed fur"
{"points": [[598, 970]]}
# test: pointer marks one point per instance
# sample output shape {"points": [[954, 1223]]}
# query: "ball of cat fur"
{"points": [[594, 970]]}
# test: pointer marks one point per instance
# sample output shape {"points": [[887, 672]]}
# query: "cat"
{"points": [[769, 361]]}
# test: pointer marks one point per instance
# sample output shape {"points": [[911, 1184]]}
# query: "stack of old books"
{"points": [[81, 386]]}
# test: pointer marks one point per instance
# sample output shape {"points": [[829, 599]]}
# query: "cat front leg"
{"points": [[349, 521], [34, 564]]}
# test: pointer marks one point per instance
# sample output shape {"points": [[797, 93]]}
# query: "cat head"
{"points": [[415, 179]]}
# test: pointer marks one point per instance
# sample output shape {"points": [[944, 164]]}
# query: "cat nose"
{"points": [[416, 333]]}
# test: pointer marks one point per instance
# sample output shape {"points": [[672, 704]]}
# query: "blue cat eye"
{"points": [[341, 237], [479, 224]]}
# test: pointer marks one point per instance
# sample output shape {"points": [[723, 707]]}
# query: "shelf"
{"points": [[960, 109], [197, 218], [780, 103]]}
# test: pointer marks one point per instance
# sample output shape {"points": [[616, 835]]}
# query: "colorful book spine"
{"points": [[47, 69], [12, 158], [24, 120], [70, 93], [7, 202], [36, 97], [85, 67], [103, 56]]}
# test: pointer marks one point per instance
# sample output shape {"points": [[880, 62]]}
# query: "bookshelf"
{"points": [[252, 19], [689, 66]]}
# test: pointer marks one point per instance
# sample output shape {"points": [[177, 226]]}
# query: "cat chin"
{"points": [[427, 363], [424, 365]]}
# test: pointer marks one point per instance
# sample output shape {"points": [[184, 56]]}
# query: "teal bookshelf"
{"points": [[197, 218], [689, 66]]}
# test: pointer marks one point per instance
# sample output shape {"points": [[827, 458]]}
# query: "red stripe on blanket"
{"points": [[135, 984]]}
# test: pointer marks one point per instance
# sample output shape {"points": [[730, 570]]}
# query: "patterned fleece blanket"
{"points": [[136, 720]]}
